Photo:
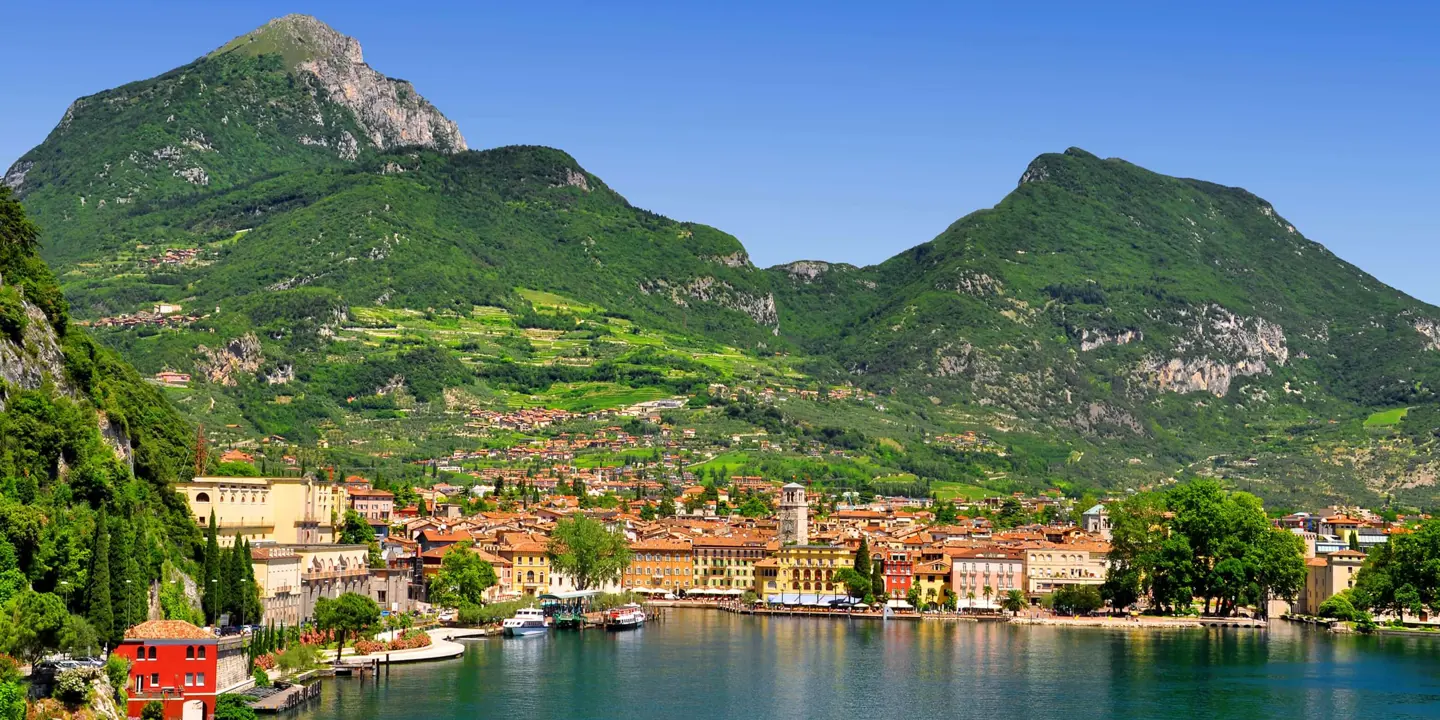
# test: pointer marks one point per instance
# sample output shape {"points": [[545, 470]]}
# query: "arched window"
{"points": [[152, 653], [189, 652], [202, 497], [200, 653]]}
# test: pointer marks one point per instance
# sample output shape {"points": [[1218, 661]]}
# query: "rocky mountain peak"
{"points": [[389, 111]]}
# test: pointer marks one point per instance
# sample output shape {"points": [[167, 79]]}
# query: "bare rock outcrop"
{"points": [[1214, 348], [222, 366], [1092, 339], [760, 308], [27, 364], [389, 111], [806, 271], [1431, 330]]}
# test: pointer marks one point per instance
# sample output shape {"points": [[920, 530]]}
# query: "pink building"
{"points": [[974, 569]]}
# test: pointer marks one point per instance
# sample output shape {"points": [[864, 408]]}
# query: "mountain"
{"points": [[316, 244]]}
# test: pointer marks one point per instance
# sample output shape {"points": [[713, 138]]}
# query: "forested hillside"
{"points": [[87, 454]]}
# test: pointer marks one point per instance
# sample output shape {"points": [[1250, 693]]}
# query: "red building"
{"points": [[174, 662], [899, 572]]}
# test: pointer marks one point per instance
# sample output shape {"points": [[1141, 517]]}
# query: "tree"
{"points": [[233, 707], [913, 597], [856, 585], [877, 581], [210, 592], [356, 530], [463, 577], [585, 550], [98, 608], [945, 513], [32, 624], [77, 637], [1014, 602], [1355, 541], [862, 559], [153, 710], [347, 614]]}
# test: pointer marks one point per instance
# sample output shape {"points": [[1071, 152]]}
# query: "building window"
{"points": [[152, 657], [200, 679], [189, 680], [200, 653], [202, 497], [154, 680], [189, 652]]}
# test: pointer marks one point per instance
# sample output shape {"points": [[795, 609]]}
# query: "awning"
{"points": [[807, 599], [899, 604]]}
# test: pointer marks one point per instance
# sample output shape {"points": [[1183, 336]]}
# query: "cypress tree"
{"points": [[121, 550], [98, 607], [862, 559], [230, 577], [250, 590], [210, 580]]}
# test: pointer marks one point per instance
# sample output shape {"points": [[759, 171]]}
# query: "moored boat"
{"points": [[625, 617], [526, 621]]}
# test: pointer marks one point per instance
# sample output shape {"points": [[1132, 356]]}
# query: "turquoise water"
{"points": [[702, 664]]}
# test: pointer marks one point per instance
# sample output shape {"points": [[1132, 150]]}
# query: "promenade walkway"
{"points": [[440, 648]]}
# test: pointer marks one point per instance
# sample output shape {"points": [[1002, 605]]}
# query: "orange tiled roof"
{"points": [[167, 630]]}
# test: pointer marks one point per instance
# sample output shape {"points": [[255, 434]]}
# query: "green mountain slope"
{"points": [[84, 438], [347, 270]]}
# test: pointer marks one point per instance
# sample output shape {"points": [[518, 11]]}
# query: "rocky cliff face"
{"points": [[28, 364], [389, 111], [224, 365]]}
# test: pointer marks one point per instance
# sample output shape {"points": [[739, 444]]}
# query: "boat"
{"points": [[625, 617], [526, 621]]}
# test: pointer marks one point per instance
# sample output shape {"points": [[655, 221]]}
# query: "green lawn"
{"points": [[961, 491], [1386, 418]]}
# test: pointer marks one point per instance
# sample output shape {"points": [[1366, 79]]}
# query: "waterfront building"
{"points": [[277, 573], [974, 569], [1050, 566], [182, 666], [794, 515], [806, 571], [898, 569], [726, 563], [284, 510], [662, 564], [1325, 576], [328, 570], [530, 563], [932, 578]]}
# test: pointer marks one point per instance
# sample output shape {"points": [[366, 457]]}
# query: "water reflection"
{"points": [[701, 664]]}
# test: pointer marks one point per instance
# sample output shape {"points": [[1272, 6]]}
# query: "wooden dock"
{"points": [[286, 698]]}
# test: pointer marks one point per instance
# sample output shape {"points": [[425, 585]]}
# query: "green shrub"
{"points": [[13, 319], [232, 707], [298, 657], [117, 668], [262, 678], [153, 710], [72, 687]]}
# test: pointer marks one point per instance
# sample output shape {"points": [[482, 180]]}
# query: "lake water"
{"points": [[702, 664]]}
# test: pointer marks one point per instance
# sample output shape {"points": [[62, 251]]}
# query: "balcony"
{"points": [[334, 574]]}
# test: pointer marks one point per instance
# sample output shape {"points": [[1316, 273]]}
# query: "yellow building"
{"points": [[1053, 565], [1325, 576], [932, 578], [664, 564], [726, 563], [798, 570], [531, 565], [284, 510], [277, 572]]}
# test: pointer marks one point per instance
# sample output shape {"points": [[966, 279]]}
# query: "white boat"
{"points": [[526, 621], [625, 617]]}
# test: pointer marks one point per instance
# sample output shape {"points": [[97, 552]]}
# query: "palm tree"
{"points": [[930, 596], [1014, 601], [987, 592]]}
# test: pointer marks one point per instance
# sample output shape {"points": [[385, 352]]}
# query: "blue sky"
{"points": [[851, 131]]}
